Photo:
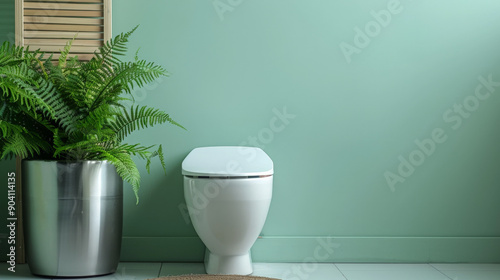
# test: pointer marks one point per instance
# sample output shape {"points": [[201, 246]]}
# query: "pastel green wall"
{"points": [[231, 72], [7, 21]]}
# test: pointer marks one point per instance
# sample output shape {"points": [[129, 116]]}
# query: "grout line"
{"points": [[159, 272], [341, 272], [430, 264]]}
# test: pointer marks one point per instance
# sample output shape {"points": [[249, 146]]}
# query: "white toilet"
{"points": [[228, 191]]}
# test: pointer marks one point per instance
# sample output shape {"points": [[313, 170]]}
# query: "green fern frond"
{"points": [[36, 123], [8, 129], [126, 74], [125, 167], [58, 139], [17, 85], [79, 150], [162, 158], [107, 54], [159, 154], [19, 145], [10, 54], [23, 85], [24, 145], [65, 52], [142, 72], [96, 119], [53, 104], [139, 118], [135, 150]]}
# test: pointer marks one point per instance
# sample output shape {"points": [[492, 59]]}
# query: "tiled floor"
{"points": [[298, 271]]}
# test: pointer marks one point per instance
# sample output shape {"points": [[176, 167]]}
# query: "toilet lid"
{"points": [[227, 161]]}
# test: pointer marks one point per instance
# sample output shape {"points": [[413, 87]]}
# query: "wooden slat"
{"points": [[63, 13], [76, 49], [62, 35], [19, 24], [81, 56], [62, 27], [63, 20], [62, 42], [59, 6], [107, 20], [88, 1]]}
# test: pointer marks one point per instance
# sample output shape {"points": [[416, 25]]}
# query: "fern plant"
{"points": [[73, 110]]}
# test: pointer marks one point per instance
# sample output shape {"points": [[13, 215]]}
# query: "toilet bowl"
{"points": [[228, 191]]}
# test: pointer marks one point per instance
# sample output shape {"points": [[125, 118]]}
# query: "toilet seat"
{"points": [[227, 177], [227, 162]]}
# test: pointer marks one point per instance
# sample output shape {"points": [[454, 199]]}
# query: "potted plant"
{"points": [[68, 123]]}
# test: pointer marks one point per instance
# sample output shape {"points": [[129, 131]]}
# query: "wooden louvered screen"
{"points": [[48, 24]]}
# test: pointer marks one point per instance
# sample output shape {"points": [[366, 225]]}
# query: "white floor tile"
{"points": [[292, 271], [467, 266], [129, 271], [394, 275], [135, 271], [125, 271], [473, 274], [383, 266]]}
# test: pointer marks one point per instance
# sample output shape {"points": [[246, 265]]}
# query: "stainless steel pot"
{"points": [[73, 213]]}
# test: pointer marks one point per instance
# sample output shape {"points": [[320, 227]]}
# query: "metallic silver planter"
{"points": [[73, 217]]}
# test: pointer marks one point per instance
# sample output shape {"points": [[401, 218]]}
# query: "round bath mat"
{"points": [[213, 277]]}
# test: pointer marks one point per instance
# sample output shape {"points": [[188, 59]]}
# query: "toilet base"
{"points": [[240, 265]]}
